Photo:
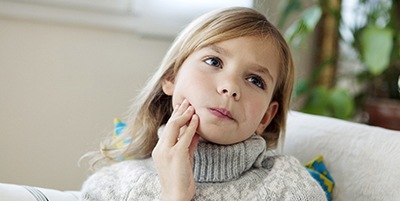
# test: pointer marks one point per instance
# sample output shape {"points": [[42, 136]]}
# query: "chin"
{"points": [[210, 136]]}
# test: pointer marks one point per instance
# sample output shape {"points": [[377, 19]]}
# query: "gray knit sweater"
{"points": [[243, 171]]}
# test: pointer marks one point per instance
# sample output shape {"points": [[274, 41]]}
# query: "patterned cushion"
{"points": [[118, 128], [319, 172]]}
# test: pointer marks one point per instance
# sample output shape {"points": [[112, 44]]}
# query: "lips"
{"points": [[221, 113]]}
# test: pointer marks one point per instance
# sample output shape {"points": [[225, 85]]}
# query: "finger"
{"points": [[175, 109], [182, 130], [186, 138], [182, 107], [174, 125], [193, 145]]}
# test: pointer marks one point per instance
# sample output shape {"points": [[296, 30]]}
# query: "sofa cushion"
{"points": [[29, 193], [362, 159]]}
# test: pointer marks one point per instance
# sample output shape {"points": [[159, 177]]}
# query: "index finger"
{"points": [[175, 123]]}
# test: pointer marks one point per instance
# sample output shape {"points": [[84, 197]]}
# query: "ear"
{"points": [[168, 87], [268, 116]]}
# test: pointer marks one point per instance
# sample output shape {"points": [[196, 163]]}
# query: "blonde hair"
{"points": [[152, 108]]}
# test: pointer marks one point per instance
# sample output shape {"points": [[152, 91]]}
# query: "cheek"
{"points": [[256, 109], [188, 88]]}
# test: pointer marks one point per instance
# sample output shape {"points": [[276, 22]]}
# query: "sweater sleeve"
{"points": [[126, 180]]}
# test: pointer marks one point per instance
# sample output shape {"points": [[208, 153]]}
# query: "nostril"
{"points": [[227, 92]]}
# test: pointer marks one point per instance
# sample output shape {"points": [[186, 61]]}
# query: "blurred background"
{"points": [[69, 67]]}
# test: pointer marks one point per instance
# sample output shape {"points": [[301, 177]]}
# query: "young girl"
{"points": [[205, 125]]}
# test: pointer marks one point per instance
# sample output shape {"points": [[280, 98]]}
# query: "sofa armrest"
{"points": [[363, 160], [29, 193]]}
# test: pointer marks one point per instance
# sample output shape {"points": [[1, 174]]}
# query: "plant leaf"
{"points": [[302, 27], [301, 87], [341, 103], [376, 46], [317, 102], [311, 16]]}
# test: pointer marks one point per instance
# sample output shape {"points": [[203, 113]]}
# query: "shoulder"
{"points": [[287, 169], [282, 162], [275, 163], [292, 179], [117, 180], [123, 168]]}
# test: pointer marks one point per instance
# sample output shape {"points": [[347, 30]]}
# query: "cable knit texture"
{"points": [[243, 171]]}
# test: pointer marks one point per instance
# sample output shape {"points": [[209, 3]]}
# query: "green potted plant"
{"points": [[319, 91], [377, 40], [375, 37]]}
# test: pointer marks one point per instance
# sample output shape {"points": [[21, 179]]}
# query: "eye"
{"points": [[257, 80], [213, 61]]}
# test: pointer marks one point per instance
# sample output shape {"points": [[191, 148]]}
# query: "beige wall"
{"points": [[60, 88]]}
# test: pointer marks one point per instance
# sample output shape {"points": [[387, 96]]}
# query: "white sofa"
{"points": [[364, 161], [13, 192]]}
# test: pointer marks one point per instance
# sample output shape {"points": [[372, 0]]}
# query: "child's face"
{"points": [[230, 85]]}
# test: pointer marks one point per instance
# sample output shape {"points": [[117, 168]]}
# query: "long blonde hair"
{"points": [[152, 108]]}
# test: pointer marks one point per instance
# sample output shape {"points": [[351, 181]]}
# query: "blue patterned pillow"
{"points": [[319, 172], [118, 128]]}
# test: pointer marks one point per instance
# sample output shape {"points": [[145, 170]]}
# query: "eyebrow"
{"points": [[264, 70], [218, 50]]}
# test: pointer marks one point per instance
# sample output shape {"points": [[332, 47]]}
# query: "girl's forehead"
{"points": [[264, 41], [260, 45]]}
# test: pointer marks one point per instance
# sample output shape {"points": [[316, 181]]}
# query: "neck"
{"points": [[220, 163]]}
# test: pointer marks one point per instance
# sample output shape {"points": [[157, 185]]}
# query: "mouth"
{"points": [[221, 113]]}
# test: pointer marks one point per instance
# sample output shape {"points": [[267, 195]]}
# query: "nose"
{"points": [[229, 88]]}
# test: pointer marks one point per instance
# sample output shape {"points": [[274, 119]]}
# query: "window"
{"points": [[163, 18]]}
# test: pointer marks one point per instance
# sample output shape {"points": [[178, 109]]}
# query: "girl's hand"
{"points": [[173, 154]]}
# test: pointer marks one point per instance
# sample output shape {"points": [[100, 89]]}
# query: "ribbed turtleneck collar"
{"points": [[220, 163]]}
